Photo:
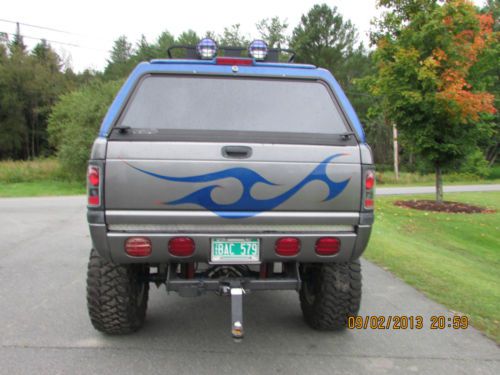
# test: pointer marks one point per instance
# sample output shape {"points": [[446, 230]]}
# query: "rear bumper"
{"points": [[109, 240]]}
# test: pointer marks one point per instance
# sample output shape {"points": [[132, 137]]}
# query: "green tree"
{"points": [[164, 41], [145, 51], [397, 13], [120, 63], [74, 123], [423, 76], [30, 83], [232, 37], [486, 75], [188, 38], [273, 31], [325, 39]]}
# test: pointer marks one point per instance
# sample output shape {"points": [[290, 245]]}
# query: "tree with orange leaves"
{"points": [[425, 54]]}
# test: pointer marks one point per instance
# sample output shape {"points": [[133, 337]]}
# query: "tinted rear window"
{"points": [[233, 104]]}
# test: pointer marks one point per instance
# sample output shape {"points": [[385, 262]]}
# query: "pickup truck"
{"points": [[228, 171]]}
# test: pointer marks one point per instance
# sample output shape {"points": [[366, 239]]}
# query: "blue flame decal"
{"points": [[248, 178]]}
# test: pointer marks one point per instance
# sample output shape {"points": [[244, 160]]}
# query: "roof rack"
{"points": [[273, 54]]}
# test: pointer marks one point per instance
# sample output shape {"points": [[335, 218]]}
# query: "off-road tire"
{"points": [[330, 293], [117, 295]]}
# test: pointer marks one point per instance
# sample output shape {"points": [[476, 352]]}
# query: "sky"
{"points": [[88, 28]]}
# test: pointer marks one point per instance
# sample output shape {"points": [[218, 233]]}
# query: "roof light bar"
{"points": [[258, 49], [207, 48]]}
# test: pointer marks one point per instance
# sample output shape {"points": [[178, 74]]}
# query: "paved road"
{"points": [[45, 329], [430, 189]]}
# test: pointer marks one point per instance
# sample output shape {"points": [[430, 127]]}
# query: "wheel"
{"points": [[117, 295], [330, 293]]}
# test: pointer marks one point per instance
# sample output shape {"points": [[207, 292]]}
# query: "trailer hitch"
{"points": [[235, 291], [234, 288]]}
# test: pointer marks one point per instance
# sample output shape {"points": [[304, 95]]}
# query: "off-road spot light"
{"points": [[207, 48], [258, 49]]}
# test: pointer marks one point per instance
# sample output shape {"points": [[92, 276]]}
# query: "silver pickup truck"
{"points": [[228, 174]]}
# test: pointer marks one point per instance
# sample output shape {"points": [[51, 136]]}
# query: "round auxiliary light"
{"points": [[258, 49], [207, 48]]}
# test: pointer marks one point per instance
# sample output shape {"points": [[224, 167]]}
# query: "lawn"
{"points": [[452, 258], [41, 188], [36, 178]]}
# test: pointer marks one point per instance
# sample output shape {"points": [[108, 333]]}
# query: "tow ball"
{"points": [[235, 291]]}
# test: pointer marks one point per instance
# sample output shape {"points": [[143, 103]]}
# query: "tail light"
{"points": [[369, 191], [94, 186], [327, 246], [181, 246], [287, 246], [138, 246]]}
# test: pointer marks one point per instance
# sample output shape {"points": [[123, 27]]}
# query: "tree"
{"points": [[397, 14], [424, 67], [188, 38], [74, 123], [325, 39], [30, 83], [273, 31], [164, 41], [145, 51], [233, 37], [120, 62], [17, 43], [486, 75]]}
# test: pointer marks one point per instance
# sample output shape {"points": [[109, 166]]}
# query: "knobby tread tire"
{"points": [[336, 296], [117, 295]]}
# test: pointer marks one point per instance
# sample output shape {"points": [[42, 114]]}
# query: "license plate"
{"points": [[235, 250]]}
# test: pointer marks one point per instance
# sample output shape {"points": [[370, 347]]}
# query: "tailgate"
{"points": [[200, 176]]}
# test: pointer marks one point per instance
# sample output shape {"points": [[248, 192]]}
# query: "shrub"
{"points": [[476, 164], [74, 123]]}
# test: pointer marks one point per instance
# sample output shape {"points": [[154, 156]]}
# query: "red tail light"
{"points": [[287, 246], [370, 180], [368, 201], [327, 246], [138, 246], [94, 185], [233, 61], [181, 246], [93, 200], [93, 176]]}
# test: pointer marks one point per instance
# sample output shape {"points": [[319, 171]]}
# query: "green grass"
{"points": [[452, 258], [29, 171], [41, 188], [36, 178]]}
